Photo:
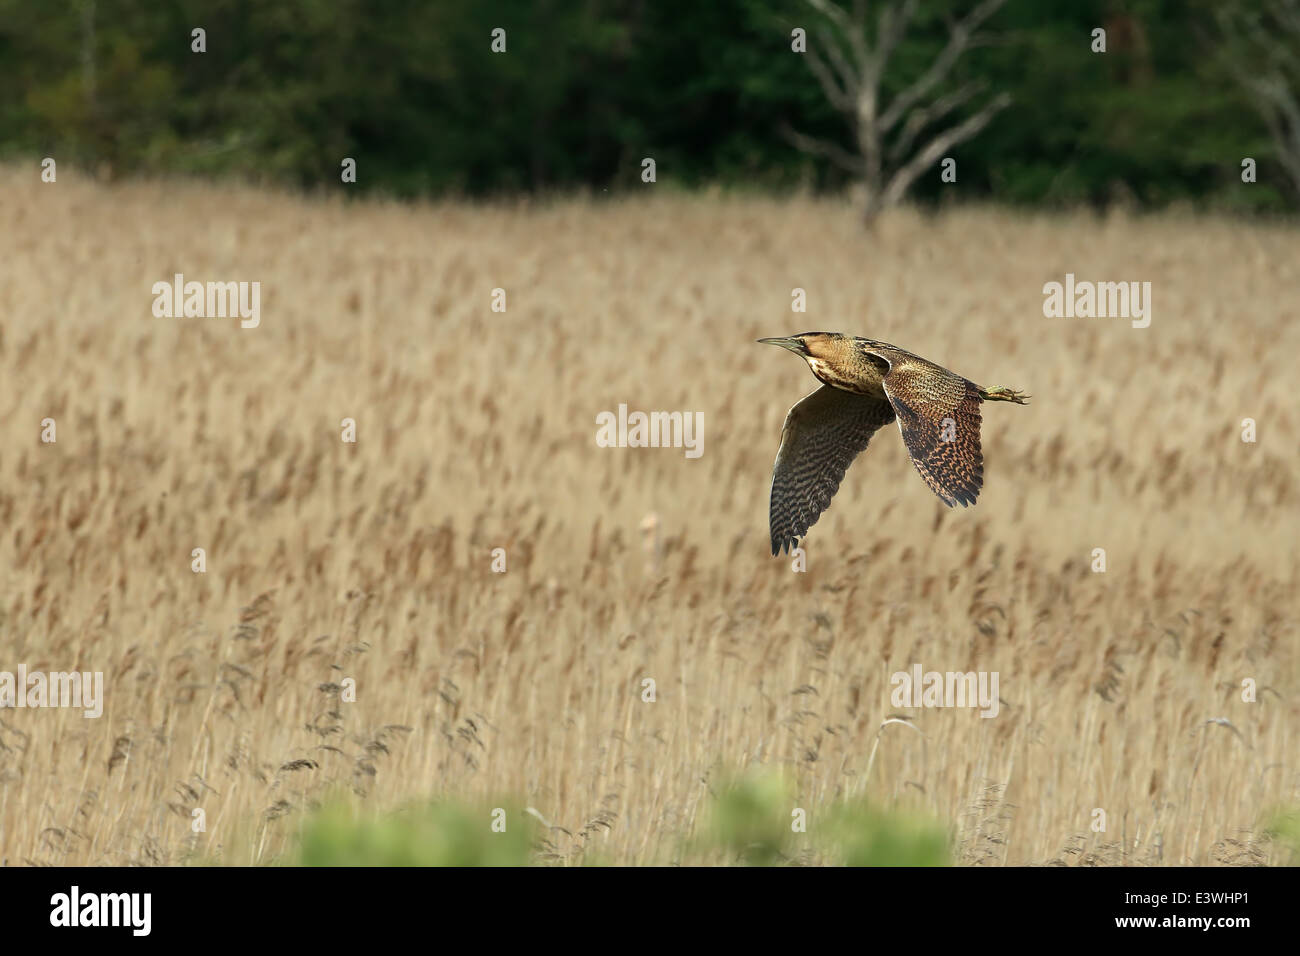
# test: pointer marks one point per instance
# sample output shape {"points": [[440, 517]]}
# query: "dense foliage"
{"points": [[587, 88]]}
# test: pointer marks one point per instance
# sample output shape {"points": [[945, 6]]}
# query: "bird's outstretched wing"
{"points": [[939, 417], [823, 433]]}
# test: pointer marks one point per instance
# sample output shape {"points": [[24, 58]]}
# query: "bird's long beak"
{"points": [[794, 345]]}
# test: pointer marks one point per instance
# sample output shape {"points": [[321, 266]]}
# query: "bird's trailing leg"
{"points": [[1000, 393]]}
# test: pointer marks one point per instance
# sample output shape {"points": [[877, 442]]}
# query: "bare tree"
{"points": [[1263, 53], [849, 61]]}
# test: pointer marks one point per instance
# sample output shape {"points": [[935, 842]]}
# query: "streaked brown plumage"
{"points": [[867, 385]]}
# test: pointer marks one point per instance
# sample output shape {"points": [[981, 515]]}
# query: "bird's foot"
{"points": [[999, 393]]}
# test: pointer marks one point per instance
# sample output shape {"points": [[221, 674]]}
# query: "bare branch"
{"points": [[1283, 99], [819, 147], [853, 28], [958, 40], [1278, 53], [843, 69], [903, 178], [891, 25], [1283, 121], [918, 120], [833, 13], [839, 98], [1267, 68]]}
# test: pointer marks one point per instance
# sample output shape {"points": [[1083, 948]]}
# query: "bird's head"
{"points": [[810, 345]]}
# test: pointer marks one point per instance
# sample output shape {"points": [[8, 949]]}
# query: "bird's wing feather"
{"points": [[823, 433], [939, 418]]}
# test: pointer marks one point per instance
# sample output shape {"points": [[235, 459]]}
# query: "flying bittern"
{"points": [[867, 385]]}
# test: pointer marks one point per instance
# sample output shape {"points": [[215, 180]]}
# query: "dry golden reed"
{"points": [[330, 562]]}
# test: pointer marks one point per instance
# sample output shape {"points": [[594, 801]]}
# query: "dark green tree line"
{"points": [[587, 88]]}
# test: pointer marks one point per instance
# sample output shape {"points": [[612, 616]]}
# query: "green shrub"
{"points": [[750, 821], [436, 834]]}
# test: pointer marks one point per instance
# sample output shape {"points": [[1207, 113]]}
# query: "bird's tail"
{"points": [[1000, 393]]}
